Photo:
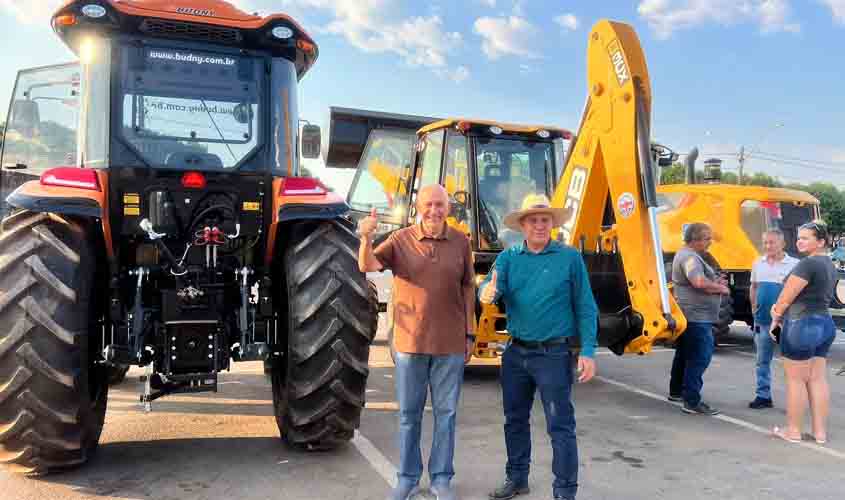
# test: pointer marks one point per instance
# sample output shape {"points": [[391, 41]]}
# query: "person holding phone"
{"points": [[767, 275], [698, 290], [548, 300], [807, 332]]}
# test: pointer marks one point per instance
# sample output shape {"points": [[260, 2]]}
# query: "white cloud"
{"points": [[838, 8], [33, 11], [506, 36], [368, 26], [667, 16], [567, 21], [458, 75], [488, 3]]}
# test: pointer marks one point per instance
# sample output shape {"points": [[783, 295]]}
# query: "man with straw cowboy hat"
{"points": [[546, 292]]}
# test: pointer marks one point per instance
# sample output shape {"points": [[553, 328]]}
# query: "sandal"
{"points": [[780, 433]]}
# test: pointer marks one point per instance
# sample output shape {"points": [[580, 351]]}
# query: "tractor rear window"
{"points": [[190, 109]]}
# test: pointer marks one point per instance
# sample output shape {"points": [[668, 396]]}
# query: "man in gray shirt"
{"points": [[698, 290]]}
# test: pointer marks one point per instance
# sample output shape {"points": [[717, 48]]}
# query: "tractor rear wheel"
{"points": [[332, 316], [52, 393]]}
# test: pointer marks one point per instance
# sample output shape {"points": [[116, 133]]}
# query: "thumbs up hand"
{"points": [[368, 225], [488, 295]]}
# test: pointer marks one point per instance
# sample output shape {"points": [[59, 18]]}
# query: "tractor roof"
{"points": [[468, 123], [759, 193], [214, 21]]}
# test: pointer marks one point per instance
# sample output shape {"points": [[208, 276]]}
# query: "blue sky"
{"points": [[766, 74]]}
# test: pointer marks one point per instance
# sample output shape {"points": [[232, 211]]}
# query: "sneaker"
{"points": [[509, 490], [676, 398], [403, 491], [760, 403], [560, 496], [443, 491], [701, 409]]}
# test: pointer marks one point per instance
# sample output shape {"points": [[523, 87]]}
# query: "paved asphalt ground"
{"points": [[633, 443]]}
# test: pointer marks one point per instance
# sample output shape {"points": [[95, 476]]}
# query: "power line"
{"points": [[799, 165], [793, 158]]}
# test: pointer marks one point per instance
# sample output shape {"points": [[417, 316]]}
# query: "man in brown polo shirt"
{"points": [[434, 331]]}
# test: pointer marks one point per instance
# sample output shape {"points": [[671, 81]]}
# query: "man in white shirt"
{"points": [[767, 276]]}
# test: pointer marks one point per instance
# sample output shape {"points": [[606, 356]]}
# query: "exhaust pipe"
{"points": [[689, 165]]}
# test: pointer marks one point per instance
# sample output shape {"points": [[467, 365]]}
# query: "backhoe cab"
{"points": [[154, 216], [605, 174]]}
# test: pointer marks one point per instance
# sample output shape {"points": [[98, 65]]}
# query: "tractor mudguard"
{"points": [[92, 203], [322, 205]]}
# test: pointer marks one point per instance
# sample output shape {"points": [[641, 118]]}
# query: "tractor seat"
{"points": [[492, 187]]}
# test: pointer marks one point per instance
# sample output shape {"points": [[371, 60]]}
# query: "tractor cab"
{"points": [[487, 168]]}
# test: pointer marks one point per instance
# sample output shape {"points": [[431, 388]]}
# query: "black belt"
{"points": [[529, 344]]}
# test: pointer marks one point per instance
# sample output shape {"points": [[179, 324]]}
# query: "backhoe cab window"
{"points": [[381, 180], [508, 171], [758, 216], [189, 109]]}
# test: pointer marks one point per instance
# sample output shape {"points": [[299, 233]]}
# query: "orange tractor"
{"points": [[153, 215]]}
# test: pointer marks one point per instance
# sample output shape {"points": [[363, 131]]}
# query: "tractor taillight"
{"points": [[302, 186], [193, 180], [72, 177]]}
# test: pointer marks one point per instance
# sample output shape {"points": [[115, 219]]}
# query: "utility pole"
{"points": [[741, 162]]}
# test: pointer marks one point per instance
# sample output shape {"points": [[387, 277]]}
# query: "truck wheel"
{"points": [[726, 316], [116, 374], [319, 385], [52, 393]]}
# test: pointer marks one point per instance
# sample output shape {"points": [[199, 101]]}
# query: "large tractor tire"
{"points": [[722, 326], [332, 315], [52, 393]]}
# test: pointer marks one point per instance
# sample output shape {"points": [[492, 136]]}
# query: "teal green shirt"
{"points": [[546, 294]]}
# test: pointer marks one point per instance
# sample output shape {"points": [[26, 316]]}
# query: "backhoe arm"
{"points": [[609, 184]]}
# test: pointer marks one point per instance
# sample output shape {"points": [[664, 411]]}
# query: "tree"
{"points": [[673, 175], [832, 204]]}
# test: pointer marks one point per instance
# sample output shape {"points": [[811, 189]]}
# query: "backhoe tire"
{"points": [[722, 326], [52, 393], [332, 315]]}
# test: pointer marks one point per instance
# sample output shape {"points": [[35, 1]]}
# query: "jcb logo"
{"points": [[618, 61], [577, 183], [195, 12]]}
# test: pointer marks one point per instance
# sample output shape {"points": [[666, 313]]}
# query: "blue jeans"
{"points": [[692, 357], [548, 369], [415, 375], [765, 347]]}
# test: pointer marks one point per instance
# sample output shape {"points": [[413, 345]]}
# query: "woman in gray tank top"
{"points": [[801, 312]]}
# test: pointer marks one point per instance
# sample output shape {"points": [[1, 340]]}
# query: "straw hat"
{"points": [[536, 204]]}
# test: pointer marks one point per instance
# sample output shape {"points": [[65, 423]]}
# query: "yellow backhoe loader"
{"points": [[488, 167]]}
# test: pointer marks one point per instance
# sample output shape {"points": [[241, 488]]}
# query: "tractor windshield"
{"points": [[758, 216], [508, 171], [190, 109]]}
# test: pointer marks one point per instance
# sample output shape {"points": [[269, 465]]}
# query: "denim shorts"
{"points": [[808, 337]]}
